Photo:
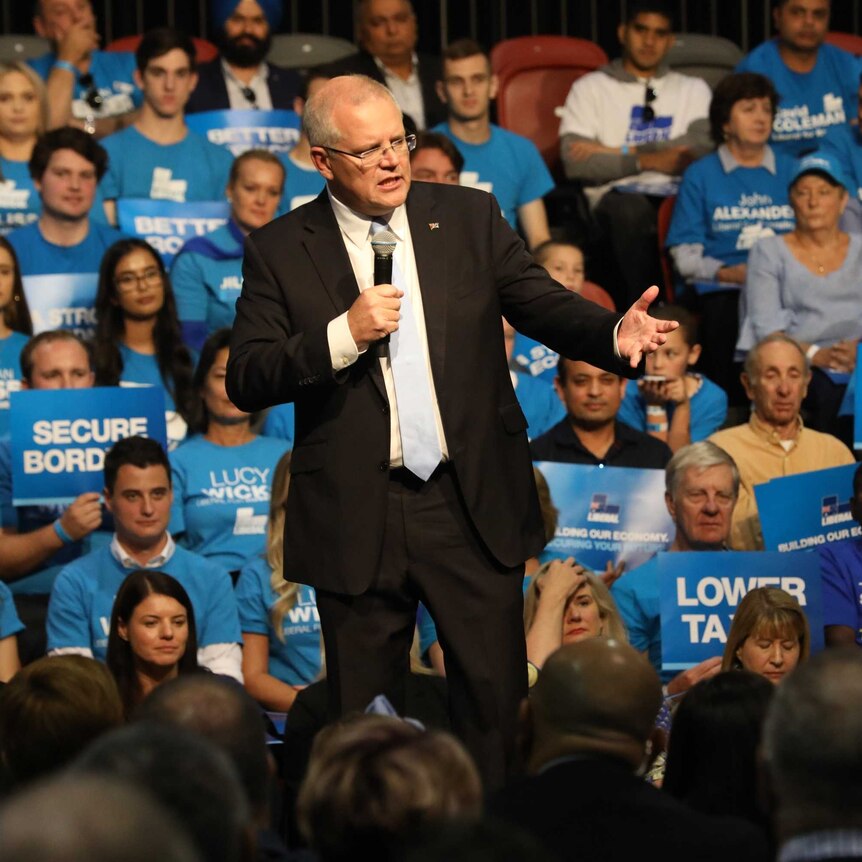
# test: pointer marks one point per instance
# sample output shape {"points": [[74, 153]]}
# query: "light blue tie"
{"points": [[420, 445]]}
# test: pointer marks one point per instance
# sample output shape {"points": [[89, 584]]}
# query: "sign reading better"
{"points": [[238, 131], [60, 437]]}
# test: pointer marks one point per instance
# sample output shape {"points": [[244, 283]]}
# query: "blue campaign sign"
{"points": [[700, 591], [607, 513], [820, 512], [238, 131], [168, 225], [62, 301], [59, 437]]}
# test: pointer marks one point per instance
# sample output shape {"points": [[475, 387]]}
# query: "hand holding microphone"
{"points": [[376, 311]]}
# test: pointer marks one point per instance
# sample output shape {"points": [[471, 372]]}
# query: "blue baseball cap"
{"points": [[223, 9], [819, 162]]}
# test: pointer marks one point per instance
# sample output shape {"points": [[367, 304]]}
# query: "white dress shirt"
{"points": [[257, 85]]}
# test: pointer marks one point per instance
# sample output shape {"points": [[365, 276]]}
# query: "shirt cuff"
{"points": [[616, 342], [224, 658], [342, 348]]}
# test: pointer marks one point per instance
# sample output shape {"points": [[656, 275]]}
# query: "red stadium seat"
{"points": [[204, 50], [848, 41], [535, 74]]}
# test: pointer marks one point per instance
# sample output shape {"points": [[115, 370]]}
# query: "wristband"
{"points": [[62, 535], [624, 149], [811, 352], [66, 66], [656, 427]]}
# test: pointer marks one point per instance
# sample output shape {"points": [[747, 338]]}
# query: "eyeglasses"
{"points": [[92, 97], [373, 157], [250, 96], [648, 111], [129, 281]]}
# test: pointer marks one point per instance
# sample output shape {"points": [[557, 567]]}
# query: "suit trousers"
{"points": [[432, 552]]}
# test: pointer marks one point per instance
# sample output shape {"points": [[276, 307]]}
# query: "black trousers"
{"points": [[432, 553]]}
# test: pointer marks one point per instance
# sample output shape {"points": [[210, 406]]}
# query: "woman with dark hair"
{"points": [[137, 340], [15, 328], [712, 754], [152, 636], [223, 475]]}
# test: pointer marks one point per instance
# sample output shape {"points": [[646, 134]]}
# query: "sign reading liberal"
{"points": [[168, 225], [607, 513], [820, 512], [60, 437], [62, 301], [238, 131], [700, 591]]}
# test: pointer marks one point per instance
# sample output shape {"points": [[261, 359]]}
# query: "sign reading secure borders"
{"points": [[60, 437]]}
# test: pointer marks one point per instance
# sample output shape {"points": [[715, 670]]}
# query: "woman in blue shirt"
{"points": [[281, 651], [137, 340]]}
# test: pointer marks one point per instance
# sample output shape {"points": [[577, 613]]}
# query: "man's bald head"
{"points": [[598, 695]]}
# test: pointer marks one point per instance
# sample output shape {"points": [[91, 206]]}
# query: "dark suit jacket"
{"points": [[211, 91], [472, 268], [597, 809], [430, 71]]}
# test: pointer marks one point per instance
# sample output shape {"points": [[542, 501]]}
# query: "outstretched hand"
{"points": [[639, 333]]}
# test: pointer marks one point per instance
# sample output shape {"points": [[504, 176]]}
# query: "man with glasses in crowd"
{"points": [[627, 131]]}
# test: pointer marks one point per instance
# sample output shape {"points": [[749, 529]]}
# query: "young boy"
{"points": [[670, 401]]}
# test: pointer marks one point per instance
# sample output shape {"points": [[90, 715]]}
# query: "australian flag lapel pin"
{"points": [[433, 225]]}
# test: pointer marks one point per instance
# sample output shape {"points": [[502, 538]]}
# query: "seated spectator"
{"points": [[152, 635], [376, 784], [158, 157], [281, 651], [386, 34], [769, 635], [786, 273], [207, 272], [138, 494], [591, 433], [841, 571], [240, 78], [731, 198], [634, 123], [671, 402], [10, 625], [84, 819], [712, 753], [435, 159], [774, 442], [222, 476], [23, 111], [16, 328], [303, 182], [845, 146], [816, 81], [37, 541], [66, 167], [51, 711], [495, 159], [701, 489], [137, 340], [90, 89], [586, 730]]}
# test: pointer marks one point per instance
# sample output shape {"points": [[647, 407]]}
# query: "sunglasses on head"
{"points": [[648, 111]]}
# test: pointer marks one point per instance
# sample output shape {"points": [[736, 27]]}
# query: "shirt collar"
{"points": [[260, 75], [122, 556], [829, 844], [729, 162], [768, 433], [357, 226], [414, 60]]}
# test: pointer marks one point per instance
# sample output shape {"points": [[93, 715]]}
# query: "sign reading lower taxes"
{"points": [[62, 301], [59, 437], [701, 590], [819, 510], [607, 513], [238, 131]]}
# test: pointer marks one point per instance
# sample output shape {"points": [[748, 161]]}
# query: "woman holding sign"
{"points": [[137, 340]]}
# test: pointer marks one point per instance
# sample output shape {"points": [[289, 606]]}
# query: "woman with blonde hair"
{"points": [[279, 620], [769, 635]]}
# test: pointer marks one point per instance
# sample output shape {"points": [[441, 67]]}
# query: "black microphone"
{"points": [[383, 243]]}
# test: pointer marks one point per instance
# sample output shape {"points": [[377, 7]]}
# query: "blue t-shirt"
{"points": [[280, 423], [10, 374], [728, 212], [221, 497], [9, 622], [296, 660], [507, 165], [207, 278], [813, 105], [539, 402], [113, 75], [841, 571], [708, 409], [79, 613], [20, 203], [534, 358], [193, 169], [846, 146], [301, 185], [37, 256]]}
